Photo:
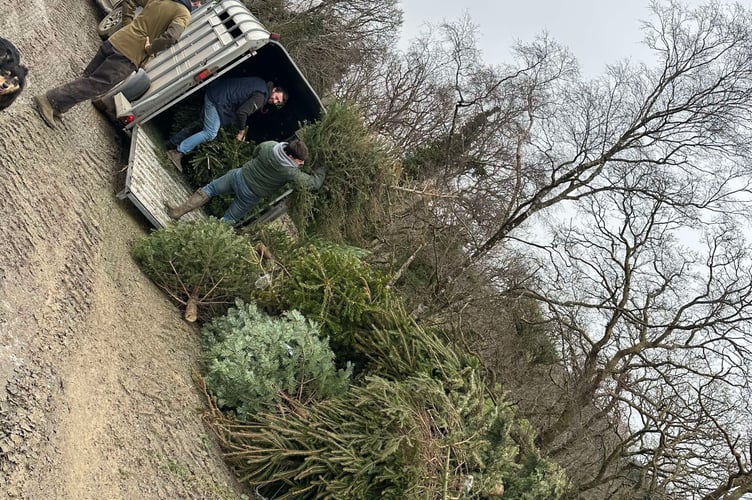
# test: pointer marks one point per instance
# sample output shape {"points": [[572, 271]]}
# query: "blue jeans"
{"points": [[209, 132], [233, 182]]}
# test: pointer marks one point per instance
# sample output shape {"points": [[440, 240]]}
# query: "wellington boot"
{"points": [[197, 199]]}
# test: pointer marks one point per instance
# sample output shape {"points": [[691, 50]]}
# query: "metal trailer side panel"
{"points": [[152, 181], [220, 35]]}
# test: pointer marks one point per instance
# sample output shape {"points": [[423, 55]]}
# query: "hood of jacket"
{"points": [[281, 156]]}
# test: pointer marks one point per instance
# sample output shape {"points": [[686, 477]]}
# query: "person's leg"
{"points": [[222, 185], [186, 132], [209, 132], [104, 50], [244, 201], [106, 69]]}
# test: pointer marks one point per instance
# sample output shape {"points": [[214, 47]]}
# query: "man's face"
{"points": [[276, 98]]}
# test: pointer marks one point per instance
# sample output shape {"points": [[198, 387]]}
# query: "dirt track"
{"points": [[96, 394]]}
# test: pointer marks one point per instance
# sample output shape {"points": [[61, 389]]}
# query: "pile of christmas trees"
{"points": [[321, 385]]}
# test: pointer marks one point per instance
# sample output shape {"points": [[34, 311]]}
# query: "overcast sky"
{"points": [[597, 31]]}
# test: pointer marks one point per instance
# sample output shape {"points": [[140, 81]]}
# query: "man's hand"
{"points": [[147, 44], [241, 135]]}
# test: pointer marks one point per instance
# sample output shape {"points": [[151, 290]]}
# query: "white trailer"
{"points": [[223, 39]]}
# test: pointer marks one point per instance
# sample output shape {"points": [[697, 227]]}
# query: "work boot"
{"points": [[197, 199], [45, 110], [176, 157]]}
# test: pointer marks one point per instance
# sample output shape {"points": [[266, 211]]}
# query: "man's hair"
{"points": [[297, 149], [277, 88]]}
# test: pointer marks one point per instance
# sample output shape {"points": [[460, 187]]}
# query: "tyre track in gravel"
{"points": [[46, 258], [96, 398]]}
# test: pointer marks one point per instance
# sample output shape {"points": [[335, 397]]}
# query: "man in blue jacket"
{"points": [[273, 165], [228, 101]]}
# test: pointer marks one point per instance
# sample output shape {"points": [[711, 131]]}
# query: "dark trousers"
{"points": [[108, 68]]}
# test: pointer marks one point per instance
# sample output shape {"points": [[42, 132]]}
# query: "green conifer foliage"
{"points": [[360, 169], [255, 361], [420, 423], [204, 260], [333, 286], [214, 158], [276, 237], [434, 432], [507, 448]]}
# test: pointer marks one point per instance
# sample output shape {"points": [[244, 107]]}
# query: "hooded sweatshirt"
{"points": [[271, 168]]}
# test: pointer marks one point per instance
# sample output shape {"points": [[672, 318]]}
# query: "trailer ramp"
{"points": [[152, 180]]}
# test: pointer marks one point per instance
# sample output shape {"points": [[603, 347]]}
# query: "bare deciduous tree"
{"points": [[328, 37], [653, 337], [654, 343], [546, 136]]}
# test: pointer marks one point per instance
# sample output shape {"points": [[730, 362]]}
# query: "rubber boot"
{"points": [[197, 199]]}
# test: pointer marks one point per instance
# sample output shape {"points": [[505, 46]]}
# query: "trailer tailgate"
{"points": [[152, 180]]}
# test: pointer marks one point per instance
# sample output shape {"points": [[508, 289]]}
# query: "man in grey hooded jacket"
{"points": [[273, 165]]}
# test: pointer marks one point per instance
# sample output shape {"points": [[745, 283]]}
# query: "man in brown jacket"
{"points": [[159, 26], [128, 10]]}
